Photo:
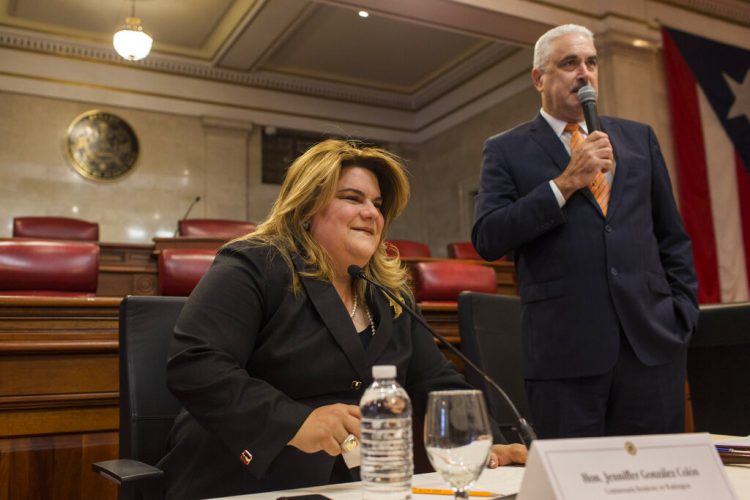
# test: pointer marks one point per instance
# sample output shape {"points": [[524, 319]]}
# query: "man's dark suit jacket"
{"points": [[582, 276], [250, 360]]}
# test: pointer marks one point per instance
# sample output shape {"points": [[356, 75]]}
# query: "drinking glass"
{"points": [[457, 436]]}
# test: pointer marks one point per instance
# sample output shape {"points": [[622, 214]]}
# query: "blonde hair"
{"points": [[310, 184]]}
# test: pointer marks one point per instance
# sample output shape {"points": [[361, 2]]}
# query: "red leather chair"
{"points": [[463, 250], [56, 228], [214, 228], [408, 248], [49, 268], [466, 250], [442, 281], [180, 269]]}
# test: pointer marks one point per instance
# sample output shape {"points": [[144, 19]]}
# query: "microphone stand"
{"points": [[525, 431], [196, 200]]}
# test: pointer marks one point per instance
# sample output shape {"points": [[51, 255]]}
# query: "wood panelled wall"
{"points": [[59, 396]]}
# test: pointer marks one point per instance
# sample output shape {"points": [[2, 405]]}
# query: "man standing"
{"points": [[604, 266]]}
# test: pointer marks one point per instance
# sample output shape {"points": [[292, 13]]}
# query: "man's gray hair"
{"points": [[542, 47]]}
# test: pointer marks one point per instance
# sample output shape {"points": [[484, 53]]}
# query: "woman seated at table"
{"points": [[275, 346]]}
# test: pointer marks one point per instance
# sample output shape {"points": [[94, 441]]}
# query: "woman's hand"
{"points": [[326, 428], [506, 454]]}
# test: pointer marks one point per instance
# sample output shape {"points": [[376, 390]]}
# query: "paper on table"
{"points": [[735, 441], [503, 481]]}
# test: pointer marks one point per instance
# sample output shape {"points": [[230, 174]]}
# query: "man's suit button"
{"points": [[608, 228], [356, 384], [613, 271]]}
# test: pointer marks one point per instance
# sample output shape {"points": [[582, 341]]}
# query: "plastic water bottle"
{"points": [[386, 447]]}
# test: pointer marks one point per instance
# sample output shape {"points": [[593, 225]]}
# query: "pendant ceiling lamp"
{"points": [[130, 41]]}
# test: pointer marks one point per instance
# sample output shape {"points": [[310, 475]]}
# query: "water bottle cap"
{"points": [[383, 371]]}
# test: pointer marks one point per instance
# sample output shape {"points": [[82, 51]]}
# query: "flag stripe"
{"points": [[743, 190], [691, 167], [722, 184]]}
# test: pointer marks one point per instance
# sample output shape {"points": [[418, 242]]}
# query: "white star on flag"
{"points": [[741, 105]]}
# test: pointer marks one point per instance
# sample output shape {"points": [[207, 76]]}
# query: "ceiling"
{"points": [[409, 70], [313, 47]]}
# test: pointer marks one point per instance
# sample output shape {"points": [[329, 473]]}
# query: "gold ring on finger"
{"points": [[350, 443]]}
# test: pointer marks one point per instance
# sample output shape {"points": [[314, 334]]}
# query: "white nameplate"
{"points": [[677, 466]]}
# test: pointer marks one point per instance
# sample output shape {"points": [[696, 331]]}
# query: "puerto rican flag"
{"points": [[709, 91]]}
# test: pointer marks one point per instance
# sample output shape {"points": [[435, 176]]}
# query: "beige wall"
{"points": [[180, 158], [633, 86], [449, 166], [218, 159]]}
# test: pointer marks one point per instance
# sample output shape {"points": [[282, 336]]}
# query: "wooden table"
{"points": [[131, 269], [127, 269], [505, 271]]}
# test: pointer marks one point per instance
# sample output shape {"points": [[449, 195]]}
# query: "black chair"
{"points": [[490, 327], [147, 408], [717, 368]]}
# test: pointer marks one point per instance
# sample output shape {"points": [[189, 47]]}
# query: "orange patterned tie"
{"points": [[599, 186]]}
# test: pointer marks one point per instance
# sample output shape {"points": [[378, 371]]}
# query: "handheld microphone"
{"points": [[525, 431], [587, 98], [196, 200]]}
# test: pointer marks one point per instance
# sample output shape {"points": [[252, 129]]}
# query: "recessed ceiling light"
{"points": [[363, 13], [641, 43]]}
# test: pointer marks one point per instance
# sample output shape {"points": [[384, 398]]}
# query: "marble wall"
{"points": [[633, 86], [219, 160], [181, 157], [449, 168]]}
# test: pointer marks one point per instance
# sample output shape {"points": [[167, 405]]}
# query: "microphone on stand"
{"points": [[587, 98], [525, 431], [196, 200]]}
